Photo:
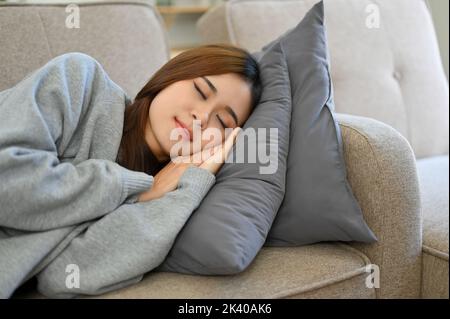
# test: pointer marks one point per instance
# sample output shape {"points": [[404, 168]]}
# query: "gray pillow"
{"points": [[318, 204], [225, 233]]}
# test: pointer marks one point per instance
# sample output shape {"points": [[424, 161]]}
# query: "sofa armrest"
{"points": [[381, 169]]}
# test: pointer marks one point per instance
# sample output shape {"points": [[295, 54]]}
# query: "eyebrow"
{"points": [[227, 107]]}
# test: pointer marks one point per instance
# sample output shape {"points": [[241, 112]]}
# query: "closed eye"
{"points": [[205, 98], [221, 122], [199, 91]]}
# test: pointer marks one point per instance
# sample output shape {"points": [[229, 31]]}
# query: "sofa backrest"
{"points": [[126, 37], [391, 71]]}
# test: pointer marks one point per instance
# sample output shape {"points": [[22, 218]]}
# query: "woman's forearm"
{"points": [[118, 249]]}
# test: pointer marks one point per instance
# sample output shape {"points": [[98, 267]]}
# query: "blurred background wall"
{"points": [[439, 10]]}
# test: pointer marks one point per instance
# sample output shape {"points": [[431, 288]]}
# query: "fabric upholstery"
{"points": [[380, 167], [386, 88], [403, 85], [381, 170], [434, 186], [314, 271], [126, 37], [319, 204], [434, 277]]}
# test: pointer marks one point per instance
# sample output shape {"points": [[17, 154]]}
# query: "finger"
{"points": [[191, 159], [207, 153], [196, 158], [199, 157], [216, 157], [225, 148], [228, 145]]}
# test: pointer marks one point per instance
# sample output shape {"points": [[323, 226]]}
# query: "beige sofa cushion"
{"points": [[434, 186], [326, 270], [392, 73], [126, 37]]}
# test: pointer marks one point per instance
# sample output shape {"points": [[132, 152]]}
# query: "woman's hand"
{"points": [[211, 159], [220, 153], [165, 180]]}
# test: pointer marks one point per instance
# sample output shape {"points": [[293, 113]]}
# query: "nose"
{"points": [[201, 114]]}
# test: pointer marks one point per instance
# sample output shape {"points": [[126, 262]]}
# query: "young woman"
{"points": [[214, 86], [91, 197]]}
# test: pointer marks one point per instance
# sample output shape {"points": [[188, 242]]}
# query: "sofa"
{"points": [[128, 38], [389, 70]]}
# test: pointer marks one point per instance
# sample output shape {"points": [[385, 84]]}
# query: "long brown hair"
{"points": [[213, 59]]}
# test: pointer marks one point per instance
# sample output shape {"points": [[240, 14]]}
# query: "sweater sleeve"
{"points": [[39, 116], [117, 250]]}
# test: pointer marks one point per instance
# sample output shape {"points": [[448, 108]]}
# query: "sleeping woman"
{"points": [[92, 189]]}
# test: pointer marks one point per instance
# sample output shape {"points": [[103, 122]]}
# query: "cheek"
{"points": [[160, 122], [160, 110]]}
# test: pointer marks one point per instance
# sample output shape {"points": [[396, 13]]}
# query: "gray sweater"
{"points": [[66, 207]]}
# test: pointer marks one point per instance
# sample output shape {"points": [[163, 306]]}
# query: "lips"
{"points": [[182, 125]]}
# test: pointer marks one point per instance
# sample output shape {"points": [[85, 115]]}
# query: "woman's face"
{"points": [[211, 102]]}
